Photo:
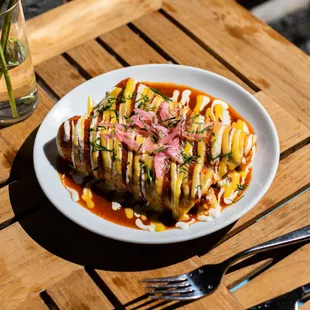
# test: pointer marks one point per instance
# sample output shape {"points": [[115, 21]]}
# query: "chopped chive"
{"points": [[161, 149], [219, 156], [98, 147], [241, 188], [156, 91]]}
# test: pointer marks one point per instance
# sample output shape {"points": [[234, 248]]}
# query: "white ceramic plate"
{"points": [[75, 103]]}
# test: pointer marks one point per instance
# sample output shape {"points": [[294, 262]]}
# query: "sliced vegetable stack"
{"points": [[179, 153]]}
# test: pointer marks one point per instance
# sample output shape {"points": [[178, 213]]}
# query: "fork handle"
{"points": [[300, 235]]}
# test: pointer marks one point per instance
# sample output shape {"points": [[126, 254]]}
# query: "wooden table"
{"points": [[47, 260]]}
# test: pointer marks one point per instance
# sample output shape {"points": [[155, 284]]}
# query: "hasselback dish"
{"points": [[156, 155]]}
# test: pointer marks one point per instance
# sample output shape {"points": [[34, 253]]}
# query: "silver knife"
{"points": [[288, 301]]}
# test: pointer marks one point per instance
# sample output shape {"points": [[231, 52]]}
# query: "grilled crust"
{"points": [[65, 147]]}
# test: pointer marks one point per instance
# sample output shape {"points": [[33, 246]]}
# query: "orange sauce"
{"points": [[103, 203], [168, 88]]}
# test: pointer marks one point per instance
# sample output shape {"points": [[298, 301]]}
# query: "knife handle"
{"points": [[286, 301]]}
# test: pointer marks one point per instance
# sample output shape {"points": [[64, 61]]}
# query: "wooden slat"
{"points": [[35, 303], [26, 267], [18, 198], [292, 175], [131, 47], [288, 274], [11, 140], [271, 62], [5, 168], [289, 217], [181, 47], [59, 75], [66, 26], [290, 130], [93, 58], [6, 212], [222, 299], [78, 291], [122, 39], [127, 287], [305, 306]]}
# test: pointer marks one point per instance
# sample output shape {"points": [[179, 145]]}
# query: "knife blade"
{"points": [[287, 301]]}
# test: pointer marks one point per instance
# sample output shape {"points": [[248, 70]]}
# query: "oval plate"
{"points": [[75, 103]]}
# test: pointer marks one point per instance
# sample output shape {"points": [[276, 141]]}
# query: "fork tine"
{"points": [[164, 286], [177, 291], [181, 277], [190, 296]]}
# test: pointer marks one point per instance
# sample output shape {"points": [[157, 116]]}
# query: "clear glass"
{"points": [[18, 89]]}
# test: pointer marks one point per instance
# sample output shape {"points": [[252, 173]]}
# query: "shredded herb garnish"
{"points": [[161, 149], [149, 173], [128, 119], [111, 101], [125, 127], [236, 200], [183, 169], [133, 95], [219, 156], [241, 188], [123, 100], [140, 147], [204, 130], [156, 91], [98, 147], [154, 139], [98, 128], [173, 123], [116, 158], [142, 101], [168, 119], [198, 123], [195, 116], [188, 159]]}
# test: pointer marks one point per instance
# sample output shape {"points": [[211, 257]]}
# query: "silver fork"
{"points": [[206, 279]]}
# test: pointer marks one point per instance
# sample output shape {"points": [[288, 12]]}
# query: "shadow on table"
{"points": [[59, 235], [62, 237]]}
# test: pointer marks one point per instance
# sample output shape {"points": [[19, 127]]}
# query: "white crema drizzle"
{"points": [[140, 225], [184, 225], [67, 131]]}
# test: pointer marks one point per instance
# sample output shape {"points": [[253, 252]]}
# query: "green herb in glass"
{"points": [[3, 46]]}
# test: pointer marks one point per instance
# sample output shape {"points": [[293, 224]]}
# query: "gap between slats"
{"points": [[152, 43], [211, 51], [104, 288], [296, 192], [48, 300]]}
